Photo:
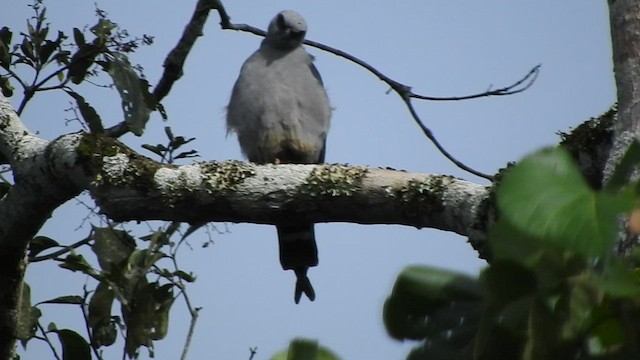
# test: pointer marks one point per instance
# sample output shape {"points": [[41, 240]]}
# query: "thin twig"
{"points": [[46, 339], [85, 316], [193, 311], [254, 351], [427, 132], [404, 91]]}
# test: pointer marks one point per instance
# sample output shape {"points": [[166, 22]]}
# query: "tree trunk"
{"points": [[624, 16]]}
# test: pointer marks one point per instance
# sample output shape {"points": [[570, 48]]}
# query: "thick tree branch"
{"points": [[46, 175], [134, 188]]}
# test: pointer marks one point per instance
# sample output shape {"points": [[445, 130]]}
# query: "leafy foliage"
{"points": [[554, 290], [122, 277], [52, 57], [305, 349]]}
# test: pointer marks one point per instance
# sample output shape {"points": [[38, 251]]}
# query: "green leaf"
{"points": [[188, 277], [5, 42], [66, 299], [619, 280], [27, 49], [545, 196], [158, 150], [187, 154], [74, 346], [610, 334], [429, 303], [112, 247], [75, 262], [510, 244], [40, 243], [169, 133], [78, 37], [81, 61], [103, 28], [47, 49], [305, 349], [103, 329], [148, 318], [133, 96], [27, 317], [428, 284], [508, 281], [89, 114], [5, 85]]}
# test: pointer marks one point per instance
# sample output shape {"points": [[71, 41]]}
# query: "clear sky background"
{"points": [[440, 48]]}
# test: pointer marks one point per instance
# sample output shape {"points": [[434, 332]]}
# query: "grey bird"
{"points": [[280, 112]]}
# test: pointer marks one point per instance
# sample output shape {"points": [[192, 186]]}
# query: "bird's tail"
{"points": [[303, 285], [298, 252]]}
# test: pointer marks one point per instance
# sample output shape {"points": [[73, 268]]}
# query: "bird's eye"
{"points": [[280, 21]]}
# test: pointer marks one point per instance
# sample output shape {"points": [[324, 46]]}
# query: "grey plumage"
{"points": [[280, 112]]}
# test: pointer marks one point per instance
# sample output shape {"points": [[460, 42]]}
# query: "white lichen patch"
{"points": [[185, 177], [113, 167]]}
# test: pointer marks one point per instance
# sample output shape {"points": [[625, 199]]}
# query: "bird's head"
{"points": [[286, 30]]}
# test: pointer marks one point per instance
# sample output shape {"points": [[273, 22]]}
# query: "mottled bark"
{"points": [[624, 16]]}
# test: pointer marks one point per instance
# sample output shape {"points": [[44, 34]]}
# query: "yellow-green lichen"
{"points": [[422, 197], [225, 176], [334, 180], [112, 163]]}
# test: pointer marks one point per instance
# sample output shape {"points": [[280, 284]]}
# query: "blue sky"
{"points": [[439, 48]]}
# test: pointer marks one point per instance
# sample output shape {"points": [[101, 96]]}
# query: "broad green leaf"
{"points": [[27, 49], [148, 317], [112, 247], [188, 277], [608, 334], [76, 262], [66, 299], [81, 61], [102, 327], [6, 87], [131, 92], [425, 284], [74, 346], [89, 114], [27, 317], [619, 280], [427, 302], [508, 281], [41, 243], [510, 244], [5, 42], [78, 37], [305, 349], [545, 196]]}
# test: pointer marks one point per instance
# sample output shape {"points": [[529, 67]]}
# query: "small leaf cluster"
{"points": [[103, 50], [555, 288], [167, 153], [124, 277]]}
